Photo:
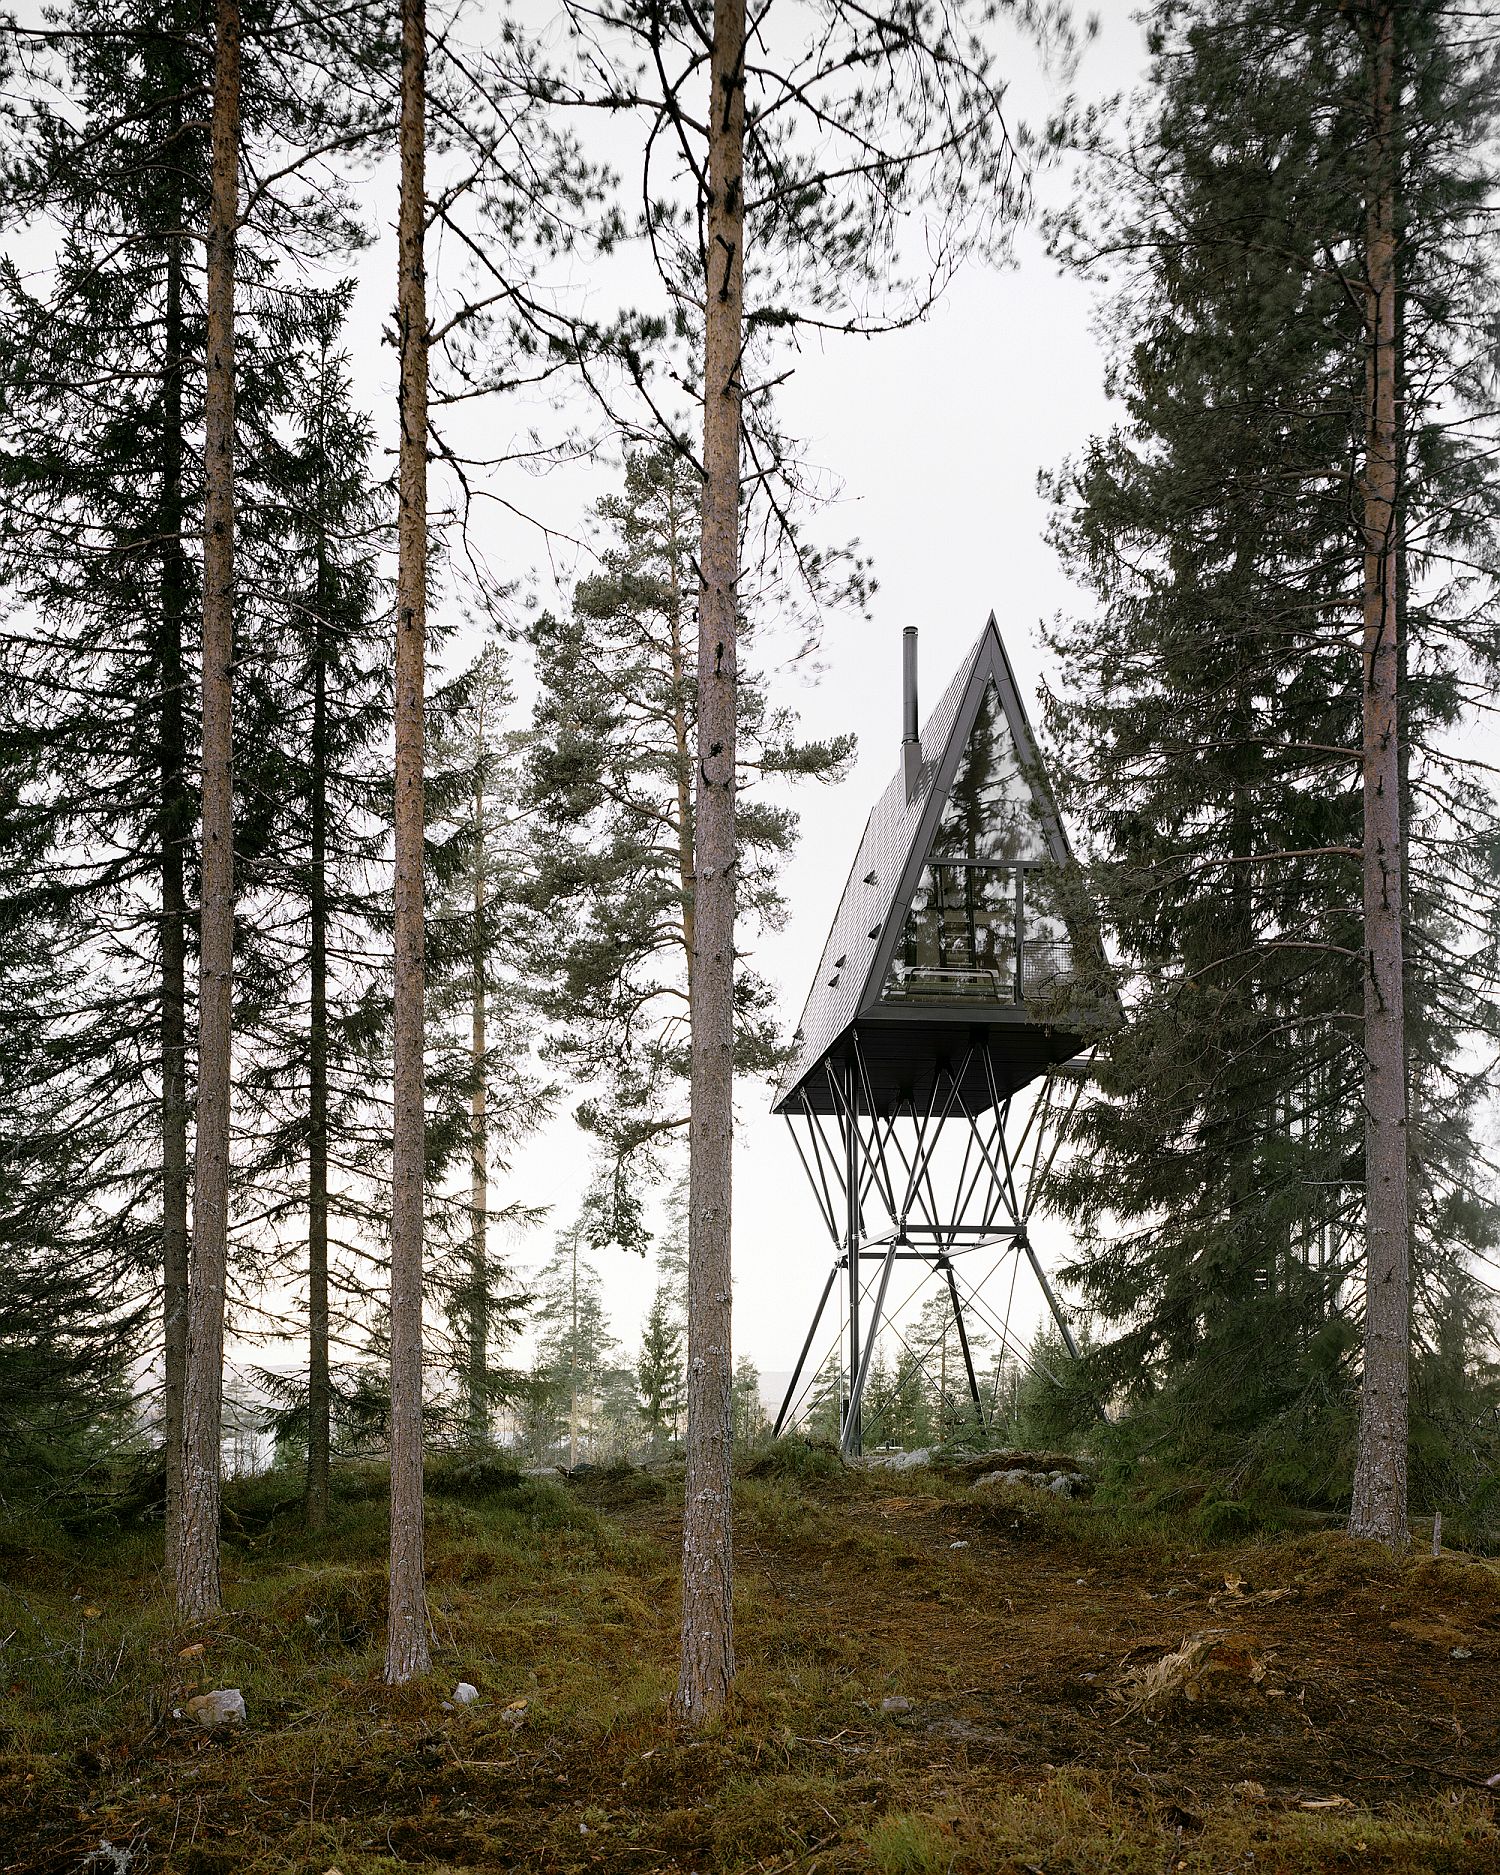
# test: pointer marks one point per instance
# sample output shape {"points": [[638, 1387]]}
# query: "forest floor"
{"points": [[1332, 1710]]}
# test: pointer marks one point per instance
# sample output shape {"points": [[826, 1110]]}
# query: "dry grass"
{"points": [[1342, 1709]]}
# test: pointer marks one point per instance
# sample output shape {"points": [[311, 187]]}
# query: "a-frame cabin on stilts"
{"points": [[946, 987]]}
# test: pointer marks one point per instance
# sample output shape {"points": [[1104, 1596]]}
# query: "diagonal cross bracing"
{"points": [[886, 1195]]}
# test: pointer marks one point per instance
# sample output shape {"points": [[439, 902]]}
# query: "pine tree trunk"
{"points": [[707, 1669], [198, 1552], [406, 1653], [479, 1194], [573, 1364], [1379, 1499], [319, 1389], [174, 820], [681, 751]]}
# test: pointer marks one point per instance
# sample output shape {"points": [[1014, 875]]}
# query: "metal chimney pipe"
{"points": [[911, 746]]}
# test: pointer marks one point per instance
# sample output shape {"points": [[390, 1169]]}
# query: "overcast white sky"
{"points": [[937, 436]]}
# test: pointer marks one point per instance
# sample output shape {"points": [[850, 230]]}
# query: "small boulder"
{"points": [[465, 1695], [900, 1461], [895, 1703], [222, 1708], [1012, 1475]]}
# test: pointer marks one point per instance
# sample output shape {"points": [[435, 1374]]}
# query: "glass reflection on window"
{"points": [[960, 933], [984, 924], [990, 813], [1046, 954], [988, 934]]}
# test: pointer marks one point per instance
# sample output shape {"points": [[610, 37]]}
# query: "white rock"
{"points": [[222, 1708], [465, 1695], [901, 1461], [895, 1702]]}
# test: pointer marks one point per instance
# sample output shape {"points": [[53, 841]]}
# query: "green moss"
{"points": [[907, 1844], [567, 1616], [764, 1819], [472, 1476]]}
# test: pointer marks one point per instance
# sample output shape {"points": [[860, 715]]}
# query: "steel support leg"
{"points": [[838, 1154], [1052, 1302], [963, 1342], [850, 1442], [855, 1423], [791, 1392]]}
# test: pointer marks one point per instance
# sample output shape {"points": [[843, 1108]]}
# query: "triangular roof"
{"points": [[915, 1042]]}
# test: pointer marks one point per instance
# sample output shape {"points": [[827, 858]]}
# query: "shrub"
{"points": [[471, 1476], [796, 1460]]}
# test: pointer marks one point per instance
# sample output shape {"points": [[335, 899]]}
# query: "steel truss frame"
{"points": [[872, 1177]]}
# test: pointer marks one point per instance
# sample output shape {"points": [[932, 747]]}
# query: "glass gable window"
{"points": [[991, 813], [983, 925]]}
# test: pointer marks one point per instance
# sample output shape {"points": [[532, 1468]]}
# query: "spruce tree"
{"points": [[313, 995], [751, 1425], [102, 372], [822, 1416], [575, 1347], [659, 1374], [485, 1093], [610, 769], [101, 516], [72, 1288], [1209, 723], [897, 1409], [937, 1345]]}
